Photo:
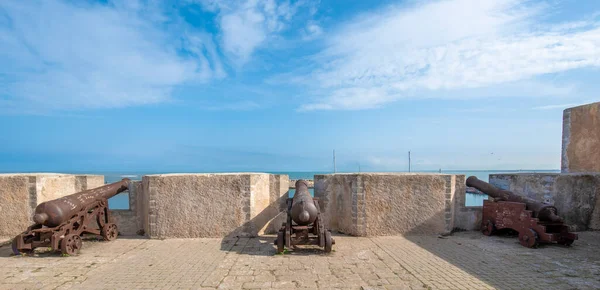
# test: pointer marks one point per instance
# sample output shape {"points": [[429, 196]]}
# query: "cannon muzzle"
{"points": [[541, 210], [54, 212], [304, 211]]}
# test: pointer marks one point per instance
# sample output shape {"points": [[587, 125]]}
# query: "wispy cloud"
{"points": [[245, 25], [65, 55], [311, 31], [422, 49]]}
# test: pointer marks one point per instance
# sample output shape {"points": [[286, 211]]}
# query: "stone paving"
{"points": [[465, 260]]}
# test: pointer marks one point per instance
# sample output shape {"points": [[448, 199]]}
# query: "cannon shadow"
{"points": [[46, 252], [497, 259]]}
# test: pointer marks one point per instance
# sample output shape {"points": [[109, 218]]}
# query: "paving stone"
{"points": [[465, 260]]}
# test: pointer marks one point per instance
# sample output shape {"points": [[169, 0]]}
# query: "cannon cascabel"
{"points": [[304, 211], [54, 212]]}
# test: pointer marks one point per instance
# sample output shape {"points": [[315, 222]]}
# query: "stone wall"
{"points": [[211, 205], [581, 139], [575, 195], [379, 204], [21, 193], [130, 221]]}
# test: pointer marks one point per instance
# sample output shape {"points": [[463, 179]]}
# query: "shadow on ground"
{"points": [[501, 261], [42, 252]]}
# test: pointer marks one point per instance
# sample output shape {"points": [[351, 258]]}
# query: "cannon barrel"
{"points": [[54, 212], [304, 211], [541, 210]]}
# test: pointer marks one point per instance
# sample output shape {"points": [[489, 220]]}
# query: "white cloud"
{"points": [[247, 24], [311, 31], [449, 45], [66, 55]]}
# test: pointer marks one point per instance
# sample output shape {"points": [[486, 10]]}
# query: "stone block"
{"points": [[21, 193], [379, 204], [211, 205], [581, 139], [575, 195]]}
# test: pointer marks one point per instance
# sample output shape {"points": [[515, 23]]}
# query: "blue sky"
{"points": [[232, 85]]}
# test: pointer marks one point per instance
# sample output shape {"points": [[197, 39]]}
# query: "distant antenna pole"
{"points": [[358, 167], [334, 169], [408, 161]]}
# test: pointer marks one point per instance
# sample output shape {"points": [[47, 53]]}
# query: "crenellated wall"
{"points": [[250, 204]]}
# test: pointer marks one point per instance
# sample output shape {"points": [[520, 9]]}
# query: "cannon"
{"points": [[304, 225], [536, 222], [59, 223]]}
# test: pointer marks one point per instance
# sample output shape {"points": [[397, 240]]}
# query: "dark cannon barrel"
{"points": [[304, 211], [541, 210], [54, 212]]}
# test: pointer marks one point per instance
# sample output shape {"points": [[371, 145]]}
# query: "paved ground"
{"points": [[462, 261]]}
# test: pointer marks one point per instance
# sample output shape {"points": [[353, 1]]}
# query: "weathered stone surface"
{"points": [[310, 182], [581, 139], [575, 195], [377, 204], [21, 193], [465, 217], [468, 218], [15, 209], [279, 187], [210, 205], [130, 222]]}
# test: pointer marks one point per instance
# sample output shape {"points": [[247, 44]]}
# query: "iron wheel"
{"points": [[110, 232], [279, 241], [529, 238], [70, 245], [489, 228], [328, 241]]}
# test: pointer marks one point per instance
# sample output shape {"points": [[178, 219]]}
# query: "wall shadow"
{"points": [[263, 230], [497, 259]]}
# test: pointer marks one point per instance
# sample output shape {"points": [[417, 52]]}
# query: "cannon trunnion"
{"points": [[60, 223], [304, 225], [536, 222]]}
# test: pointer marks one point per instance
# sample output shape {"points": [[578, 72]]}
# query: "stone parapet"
{"points": [[21, 193], [575, 195], [211, 205], [581, 139], [379, 204]]}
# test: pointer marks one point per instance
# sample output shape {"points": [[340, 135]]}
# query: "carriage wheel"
{"points": [[280, 237], [529, 238], [71, 244], [488, 229], [328, 241], [110, 231]]}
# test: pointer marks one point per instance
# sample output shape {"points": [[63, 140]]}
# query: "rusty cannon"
{"points": [[59, 223], [304, 225], [536, 222]]}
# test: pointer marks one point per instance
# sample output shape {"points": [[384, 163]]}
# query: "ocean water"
{"points": [[121, 201]]}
